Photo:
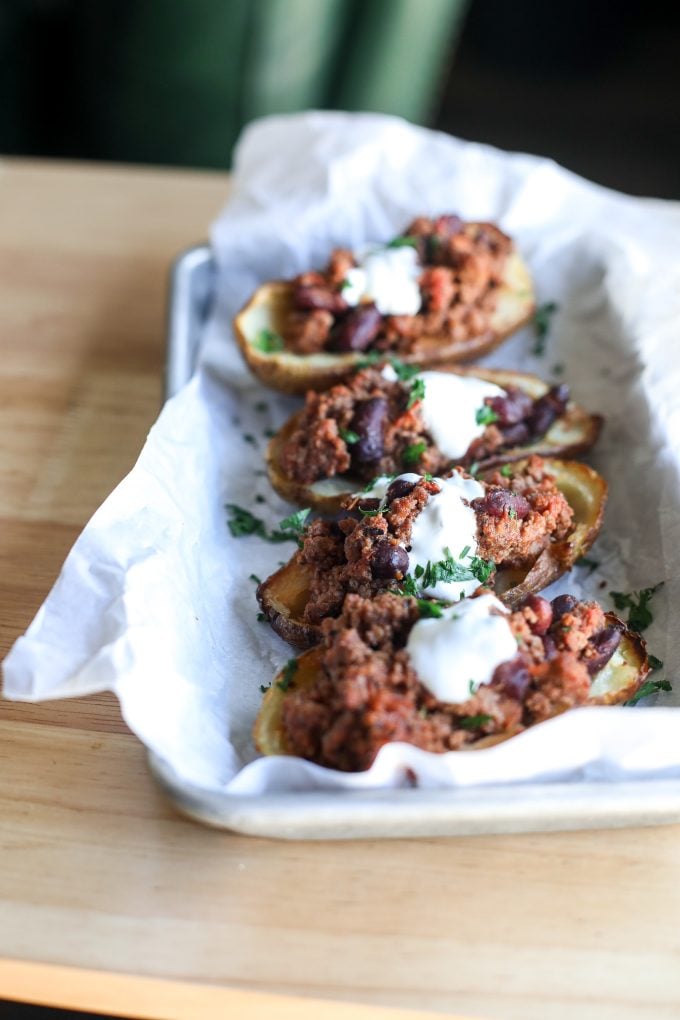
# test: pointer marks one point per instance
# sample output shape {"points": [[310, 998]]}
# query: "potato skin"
{"points": [[282, 596], [580, 430], [296, 373], [270, 738]]}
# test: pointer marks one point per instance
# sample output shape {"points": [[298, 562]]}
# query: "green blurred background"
{"points": [[594, 84]]}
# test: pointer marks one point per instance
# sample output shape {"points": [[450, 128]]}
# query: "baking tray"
{"points": [[531, 807]]}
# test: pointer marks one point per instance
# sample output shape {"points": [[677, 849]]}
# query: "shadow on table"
{"points": [[23, 1011]]}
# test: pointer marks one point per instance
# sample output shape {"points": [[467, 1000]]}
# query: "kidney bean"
{"points": [[356, 330], [563, 604], [368, 504], [543, 611], [548, 409], [512, 408], [512, 678], [604, 644], [369, 424], [389, 560], [497, 501], [312, 297], [398, 488], [516, 435]]}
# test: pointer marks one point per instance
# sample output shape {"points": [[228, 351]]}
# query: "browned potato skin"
{"points": [[283, 596], [585, 429], [296, 373], [270, 738]]}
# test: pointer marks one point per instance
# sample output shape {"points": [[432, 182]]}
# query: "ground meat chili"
{"points": [[365, 551], [367, 693], [366, 428], [462, 268]]}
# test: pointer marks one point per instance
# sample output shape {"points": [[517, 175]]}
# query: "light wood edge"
{"points": [[144, 998]]}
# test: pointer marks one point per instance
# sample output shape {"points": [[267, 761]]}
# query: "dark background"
{"points": [[592, 83]]}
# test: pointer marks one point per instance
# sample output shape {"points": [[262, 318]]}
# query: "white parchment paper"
{"points": [[155, 601]]}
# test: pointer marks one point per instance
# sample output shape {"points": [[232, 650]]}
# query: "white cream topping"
{"points": [[457, 652], [388, 277], [447, 526], [449, 409]]}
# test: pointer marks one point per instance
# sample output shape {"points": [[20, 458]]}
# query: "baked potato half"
{"points": [[284, 595], [288, 372], [616, 683], [573, 433]]}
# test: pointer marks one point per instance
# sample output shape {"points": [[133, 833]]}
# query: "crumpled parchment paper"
{"points": [[155, 601]]}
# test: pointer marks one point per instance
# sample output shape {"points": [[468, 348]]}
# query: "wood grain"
{"points": [[111, 901]]}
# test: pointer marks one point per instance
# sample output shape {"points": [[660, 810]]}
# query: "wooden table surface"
{"points": [[111, 901]]}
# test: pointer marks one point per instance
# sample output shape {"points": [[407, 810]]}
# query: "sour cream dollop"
{"points": [[456, 653], [449, 409], [388, 277], [447, 526]]}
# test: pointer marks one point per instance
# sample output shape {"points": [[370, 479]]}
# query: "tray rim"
{"points": [[380, 813]]}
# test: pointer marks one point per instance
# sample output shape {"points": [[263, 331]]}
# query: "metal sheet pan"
{"points": [[384, 813]]}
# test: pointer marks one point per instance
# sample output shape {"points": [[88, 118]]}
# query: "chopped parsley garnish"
{"points": [[260, 499], [254, 578], [269, 433], [417, 392], [485, 415], [654, 663], [649, 687], [243, 522], [249, 438], [429, 609], [268, 342], [637, 604], [403, 241], [348, 436], [345, 284], [287, 674], [506, 471], [296, 522], [558, 369], [542, 317], [370, 359], [450, 570], [264, 688], [588, 563], [464, 553], [373, 513], [512, 513], [473, 722], [473, 469], [260, 406], [403, 372], [413, 453], [260, 617]]}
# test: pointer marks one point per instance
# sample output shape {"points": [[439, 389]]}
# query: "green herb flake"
{"points": [[373, 513], [249, 438], [654, 663], [268, 342], [649, 687], [474, 722], [269, 433], [512, 513], [416, 393], [542, 317], [413, 453], [428, 609], [587, 563], [485, 415], [473, 469], [637, 604], [404, 372], [264, 688], [288, 672], [261, 618], [242, 522], [348, 436], [296, 522], [254, 578], [371, 359], [260, 406], [403, 241], [506, 471]]}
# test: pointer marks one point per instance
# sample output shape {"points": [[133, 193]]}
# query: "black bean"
{"points": [[398, 488], [389, 560], [369, 424], [563, 604], [604, 644], [357, 330]]}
